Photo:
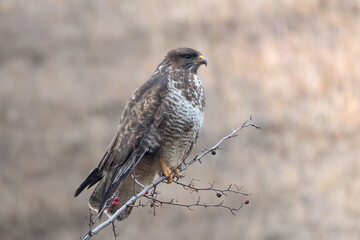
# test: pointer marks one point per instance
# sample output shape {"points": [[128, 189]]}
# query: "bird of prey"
{"points": [[160, 123]]}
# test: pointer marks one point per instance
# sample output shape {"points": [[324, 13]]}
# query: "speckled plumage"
{"points": [[161, 121]]}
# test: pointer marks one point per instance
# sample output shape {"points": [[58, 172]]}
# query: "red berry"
{"points": [[114, 203], [116, 199], [146, 192], [247, 202]]}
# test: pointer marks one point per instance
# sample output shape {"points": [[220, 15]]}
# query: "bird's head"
{"points": [[185, 58]]}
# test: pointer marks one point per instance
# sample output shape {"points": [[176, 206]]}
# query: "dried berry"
{"points": [[116, 199], [151, 205], [213, 152], [247, 202], [218, 194]]}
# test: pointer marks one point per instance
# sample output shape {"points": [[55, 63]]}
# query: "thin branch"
{"points": [[247, 123], [231, 189], [197, 204], [114, 230]]}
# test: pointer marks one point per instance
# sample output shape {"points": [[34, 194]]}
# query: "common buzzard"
{"points": [[159, 125]]}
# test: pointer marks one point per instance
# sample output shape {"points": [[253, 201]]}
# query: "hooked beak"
{"points": [[201, 60]]}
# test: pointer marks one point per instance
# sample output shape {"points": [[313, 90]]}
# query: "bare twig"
{"points": [[231, 189], [114, 230], [212, 150], [197, 204], [132, 200]]}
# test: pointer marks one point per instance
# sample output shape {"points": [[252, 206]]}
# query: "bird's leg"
{"points": [[167, 171]]}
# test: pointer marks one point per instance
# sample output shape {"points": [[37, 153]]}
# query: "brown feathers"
{"points": [[162, 119]]}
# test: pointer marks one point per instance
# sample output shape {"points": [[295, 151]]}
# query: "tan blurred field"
{"points": [[68, 67]]}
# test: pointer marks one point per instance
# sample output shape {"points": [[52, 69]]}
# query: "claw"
{"points": [[168, 173], [177, 173]]}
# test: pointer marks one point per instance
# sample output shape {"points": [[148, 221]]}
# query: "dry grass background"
{"points": [[67, 68]]}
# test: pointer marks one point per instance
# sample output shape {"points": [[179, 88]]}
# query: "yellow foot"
{"points": [[168, 173]]}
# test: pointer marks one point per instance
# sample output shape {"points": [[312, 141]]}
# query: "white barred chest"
{"points": [[184, 121], [187, 111]]}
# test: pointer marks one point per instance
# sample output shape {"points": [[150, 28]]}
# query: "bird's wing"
{"points": [[142, 115]]}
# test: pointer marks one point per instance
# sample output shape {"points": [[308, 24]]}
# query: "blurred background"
{"points": [[68, 67]]}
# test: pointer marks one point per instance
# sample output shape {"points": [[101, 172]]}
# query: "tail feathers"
{"points": [[126, 190], [94, 177], [97, 196], [120, 174]]}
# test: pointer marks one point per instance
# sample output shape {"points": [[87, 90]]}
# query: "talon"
{"points": [[177, 173], [167, 171], [171, 178]]}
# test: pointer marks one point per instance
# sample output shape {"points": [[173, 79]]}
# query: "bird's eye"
{"points": [[188, 56]]}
